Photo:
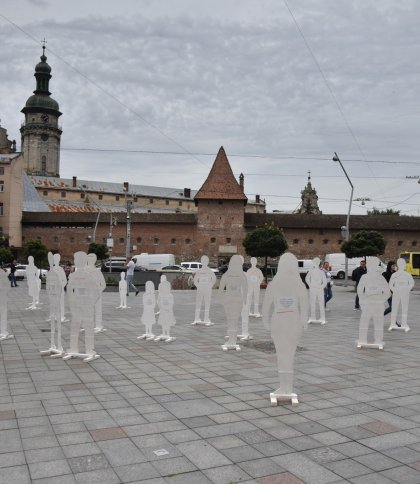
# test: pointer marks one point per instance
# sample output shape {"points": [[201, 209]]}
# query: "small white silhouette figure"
{"points": [[166, 311], [287, 301], [317, 282], [54, 286], [34, 282], [83, 293], [373, 291], [122, 287], [4, 291], [204, 280], [100, 281], [401, 283], [148, 317], [234, 280]]}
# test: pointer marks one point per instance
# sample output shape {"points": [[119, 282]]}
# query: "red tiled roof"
{"points": [[221, 183]]}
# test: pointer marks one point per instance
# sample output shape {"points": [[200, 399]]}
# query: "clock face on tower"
{"points": [[45, 118]]}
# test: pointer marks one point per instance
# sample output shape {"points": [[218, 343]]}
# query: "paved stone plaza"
{"points": [[187, 412]]}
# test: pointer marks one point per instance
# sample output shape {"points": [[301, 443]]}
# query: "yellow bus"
{"points": [[413, 262]]}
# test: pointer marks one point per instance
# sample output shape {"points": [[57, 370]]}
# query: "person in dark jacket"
{"points": [[390, 269], [355, 276], [13, 274]]}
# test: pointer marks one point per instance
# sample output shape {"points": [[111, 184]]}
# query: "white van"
{"points": [[153, 261], [338, 267]]}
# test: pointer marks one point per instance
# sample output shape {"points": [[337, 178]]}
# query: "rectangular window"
{"points": [[45, 193], [1, 186], [100, 196], [63, 194], [117, 197], [1, 170], [82, 195], [1, 209]]}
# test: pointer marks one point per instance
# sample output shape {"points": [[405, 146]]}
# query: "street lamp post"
{"points": [[346, 229]]}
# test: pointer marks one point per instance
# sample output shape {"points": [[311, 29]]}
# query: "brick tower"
{"points": [[40, 133], [220, 212]]}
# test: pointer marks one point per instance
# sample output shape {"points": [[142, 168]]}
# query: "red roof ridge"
{"points": [[221, 183]]}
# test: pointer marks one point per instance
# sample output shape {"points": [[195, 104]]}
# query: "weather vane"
{"points": [[43, 46]]}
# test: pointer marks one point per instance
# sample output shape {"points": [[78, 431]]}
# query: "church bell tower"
{"points": [[40, 132]]}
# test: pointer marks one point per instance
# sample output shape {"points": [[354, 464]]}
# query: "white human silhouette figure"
{"points": [[204, 280], [401, 283], [162, 279], [100, 281], [34, 282], [254, 278], [234, 280], [317, 282], [166, 311], [286, 299], [4, 291], [54, 288], [83, 292], [148, 317], [373, 291], [63, 279], [122, 287]]}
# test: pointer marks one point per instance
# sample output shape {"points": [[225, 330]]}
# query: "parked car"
{"points": [[20, 273], [194, 266], [174, 268]]}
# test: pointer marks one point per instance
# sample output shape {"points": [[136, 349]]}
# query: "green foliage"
{"points": [[38, 251], [364, 243], [388, 211], [6, 256], [267, 241], [101, 250], [4, 241]]}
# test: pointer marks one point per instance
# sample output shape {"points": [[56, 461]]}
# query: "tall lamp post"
{"points": [[345, 230]]}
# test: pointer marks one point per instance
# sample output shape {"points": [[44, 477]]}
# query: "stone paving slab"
{"points": [[187, 412]]}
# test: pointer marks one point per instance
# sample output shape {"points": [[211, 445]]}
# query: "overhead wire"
{"points": [[327, 84]]}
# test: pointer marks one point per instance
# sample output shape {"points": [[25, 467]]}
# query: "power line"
{"points": [[311, 52], [102, 89], [231, 155]]}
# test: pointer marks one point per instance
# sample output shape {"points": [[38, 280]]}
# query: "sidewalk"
{"points": [[187, 412]]}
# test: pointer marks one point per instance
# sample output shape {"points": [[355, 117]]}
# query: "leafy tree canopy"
{"points": [[388, 211], [38, 251], [364, 243], [6, 256], [267, 241], [101, 250]]}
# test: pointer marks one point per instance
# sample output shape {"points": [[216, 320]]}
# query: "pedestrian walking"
{"points": [[355, 276], [130, 276]]}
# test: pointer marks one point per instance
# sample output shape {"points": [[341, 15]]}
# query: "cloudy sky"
{"points": [[150, 89]]}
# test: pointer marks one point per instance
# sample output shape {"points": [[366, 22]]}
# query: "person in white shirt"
{"points": [[130, 275]]}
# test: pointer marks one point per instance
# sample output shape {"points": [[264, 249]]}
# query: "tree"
{"points": [[101, 250], [38, 251], [388, 211], [6, 255], [364, 243], [267, 241]]}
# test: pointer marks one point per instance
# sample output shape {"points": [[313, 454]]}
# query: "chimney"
{"points": [[257, 199], [241, 181], [125, 186], [187, 192], [74, 181]]}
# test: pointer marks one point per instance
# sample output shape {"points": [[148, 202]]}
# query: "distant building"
{"points": [[68, 214], [309, 204], [40, 132]]}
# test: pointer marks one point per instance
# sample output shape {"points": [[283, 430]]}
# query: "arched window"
{"points": [[43, 165]]}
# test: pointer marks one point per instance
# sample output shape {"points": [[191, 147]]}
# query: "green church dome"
{"points": [[42, 101]]}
